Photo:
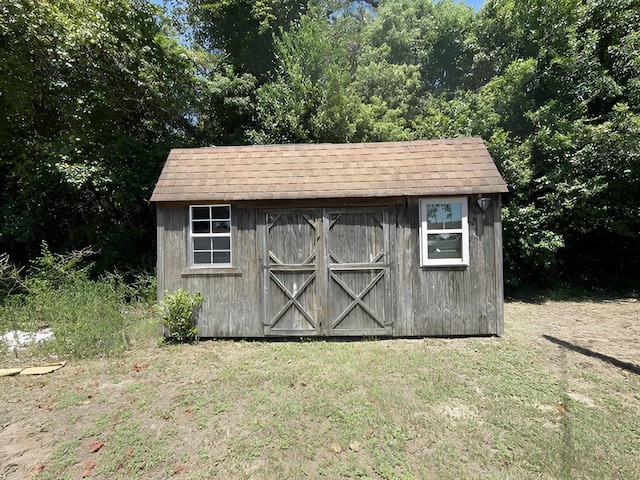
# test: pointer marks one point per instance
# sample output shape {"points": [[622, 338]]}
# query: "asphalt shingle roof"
{"points": [[308, 171]]}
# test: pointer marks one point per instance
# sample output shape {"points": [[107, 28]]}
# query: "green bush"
{"points": [[177, 310], [53, 270], [135, 287], [89, 317], [143, 289]]}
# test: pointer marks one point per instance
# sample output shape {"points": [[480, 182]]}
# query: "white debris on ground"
{"points": [[17, 338]]}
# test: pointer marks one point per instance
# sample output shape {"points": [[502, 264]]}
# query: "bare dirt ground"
{"points": [[40, 415], [600, 333]]}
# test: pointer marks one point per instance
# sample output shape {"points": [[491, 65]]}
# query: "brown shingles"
{"points": [[435, 167]]}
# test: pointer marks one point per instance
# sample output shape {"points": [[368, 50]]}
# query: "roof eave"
{"points": [[257, 196]]}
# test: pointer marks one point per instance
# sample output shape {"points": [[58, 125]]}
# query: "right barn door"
{"points": [[359, 271]]}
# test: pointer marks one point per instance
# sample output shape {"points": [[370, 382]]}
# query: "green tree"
{"points": [[244, 30], [223, 102], [564, 94], [93, 95], [312, 98], [434, 36]]}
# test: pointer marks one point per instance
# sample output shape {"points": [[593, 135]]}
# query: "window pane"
{"points": [[221, 243], [456, 224], [220, 213], [200, 258], [444, 215], [221, 257], [221, 226], [199, 213], [202, 243], [444, 245], [201, 227]]}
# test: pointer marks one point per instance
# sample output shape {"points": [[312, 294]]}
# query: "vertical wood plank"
{"points": [[404, 277], [498, 266], [175, 242], [474, 316], [160, 273], [265, 272], [391, 307], [322, 271]]}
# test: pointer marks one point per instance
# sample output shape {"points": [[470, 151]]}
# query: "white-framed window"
{"points": [[444, 231], [210, 235]]}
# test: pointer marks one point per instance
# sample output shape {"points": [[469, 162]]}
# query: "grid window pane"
{"points": [[221, 257], [202, 243], [210, 235], [220, 213], [221, 243], [444, 245], [201, 227], [202, 258], [223, 226], [200, 213]]}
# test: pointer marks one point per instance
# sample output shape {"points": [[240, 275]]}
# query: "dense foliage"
{"points": [[94, 93]]}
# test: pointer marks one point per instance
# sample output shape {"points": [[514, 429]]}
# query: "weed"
{"points": [[70, 399], [89, 317], [9, 277], [51, 271]]}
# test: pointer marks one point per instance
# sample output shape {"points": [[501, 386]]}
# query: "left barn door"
{"points": [[291, 299]]}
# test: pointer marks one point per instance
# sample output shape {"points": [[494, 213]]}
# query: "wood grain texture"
{"points": [[337, 270], [358, 258], [451, 301], [291, 285]]}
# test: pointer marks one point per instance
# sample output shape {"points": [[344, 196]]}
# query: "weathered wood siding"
{"points": [[232, 306], [311, 269], [449, 301]]}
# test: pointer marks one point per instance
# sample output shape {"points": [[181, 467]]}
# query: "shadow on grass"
{"points": [[631, 367]]}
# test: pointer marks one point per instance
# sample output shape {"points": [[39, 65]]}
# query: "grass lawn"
{"points": [[557, 397]]}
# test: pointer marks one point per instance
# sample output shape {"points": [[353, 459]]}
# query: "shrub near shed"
{"points": [[177, 311]]}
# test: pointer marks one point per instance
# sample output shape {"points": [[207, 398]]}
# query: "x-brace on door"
{"points": [[292, 239], [359, 271], [327, 272]]}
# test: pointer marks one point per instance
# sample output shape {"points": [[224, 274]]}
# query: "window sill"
{"points": [[459, 266], [211, 271]]}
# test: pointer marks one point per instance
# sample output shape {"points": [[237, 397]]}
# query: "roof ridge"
{"points": [[314, 146]]}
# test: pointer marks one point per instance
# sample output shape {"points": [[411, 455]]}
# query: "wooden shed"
{"points": [[374, 239]]}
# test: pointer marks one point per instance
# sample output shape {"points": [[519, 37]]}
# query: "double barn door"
{"points": [[327, 272]]}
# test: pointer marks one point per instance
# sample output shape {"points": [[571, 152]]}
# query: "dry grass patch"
{"points": [[514, 407]]}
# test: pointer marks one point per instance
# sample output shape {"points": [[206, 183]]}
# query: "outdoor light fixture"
{"points": [[483, 203]]}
